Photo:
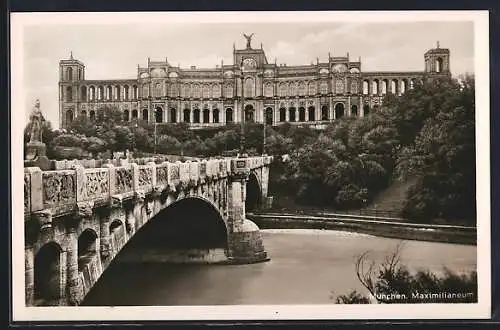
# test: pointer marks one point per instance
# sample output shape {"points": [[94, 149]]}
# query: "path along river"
{"points": [[306, 267]]}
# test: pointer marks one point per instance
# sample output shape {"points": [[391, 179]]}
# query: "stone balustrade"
{"points": [[59, 191]]}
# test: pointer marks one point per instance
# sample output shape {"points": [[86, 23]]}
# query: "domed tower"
{"points": [[71, 73], [437, 61]]}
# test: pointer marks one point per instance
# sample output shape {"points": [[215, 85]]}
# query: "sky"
{"points": [[113, 51]]}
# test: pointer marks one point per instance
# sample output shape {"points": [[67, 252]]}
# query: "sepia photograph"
{"points": [[250, 165]]}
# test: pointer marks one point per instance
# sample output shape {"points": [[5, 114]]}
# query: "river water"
{"points": [[306, 267]]}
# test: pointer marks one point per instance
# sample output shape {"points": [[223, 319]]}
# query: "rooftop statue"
{"points": [[249, 40]]}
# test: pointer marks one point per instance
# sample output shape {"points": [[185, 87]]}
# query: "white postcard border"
{"points": [[256, 312]]}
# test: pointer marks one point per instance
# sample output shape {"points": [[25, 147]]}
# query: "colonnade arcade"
{"points": [[300, 114]]}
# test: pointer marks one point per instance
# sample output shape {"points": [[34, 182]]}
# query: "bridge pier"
{"points": [[74, 293], [245, 243], [29, 275]]}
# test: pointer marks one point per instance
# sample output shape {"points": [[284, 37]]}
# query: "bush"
{"points": [[391, 282], [354, 297]]}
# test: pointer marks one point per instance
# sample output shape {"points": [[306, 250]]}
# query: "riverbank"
{"points": [[365, 225]]}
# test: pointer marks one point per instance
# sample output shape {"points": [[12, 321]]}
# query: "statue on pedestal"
{"points": [[249, 40], [35, 149], [36, 123]]}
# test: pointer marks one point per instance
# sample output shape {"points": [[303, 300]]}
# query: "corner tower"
{"points": [[437, 60], [71, 73]]}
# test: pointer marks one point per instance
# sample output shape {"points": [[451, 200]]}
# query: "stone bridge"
{"points": [[77, 220]]}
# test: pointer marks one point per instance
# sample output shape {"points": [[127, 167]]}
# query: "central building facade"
{"points": [[250, 89]]}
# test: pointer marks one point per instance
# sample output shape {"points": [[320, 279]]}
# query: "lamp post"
{"points": [[242, 123], [154, 148], [264, 134]]}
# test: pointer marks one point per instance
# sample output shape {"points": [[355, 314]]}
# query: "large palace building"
{"points": [[263, 91]]}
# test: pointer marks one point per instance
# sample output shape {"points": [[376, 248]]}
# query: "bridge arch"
{"points": [[186, 224], [48, 274], [88, 247], [253, 198]]}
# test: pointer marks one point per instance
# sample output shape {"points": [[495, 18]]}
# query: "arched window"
{"points": [[394, 86], [126, 115], [126, 95], [173, 115], [384, 86], [269, 116], [354, 110], [339, 110], [268, 90], [196, 90], [375, 87], [173, 90], [80, 74], [145, 115], [117, 92], [228, 90], [283, 89], [69, 94], [100, 93], [206, 91], [403, 86], [366, 87], [83, 113], [412, 83], [282, 114], [339, 86], [366, 109], [302, 88], [291, 114], [324, 113], [249, 87], [187, 115], [216, 91], [70, 73], [87, 248], [215, 115], [206, 116], [196, 116], [354, 87], [92, 115], [92, 93], [109, 93], [439, 64], [249, 114], [134, 92], [83, 93], [157, 90], [159, 115], [185, 90], [302, 114], [293, 89], [312, 115], [312, 88], [229, 115], [134, 114], [323, 87], [69, 116]]}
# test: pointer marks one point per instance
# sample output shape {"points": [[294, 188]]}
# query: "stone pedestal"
{"points": [[36, 156]]}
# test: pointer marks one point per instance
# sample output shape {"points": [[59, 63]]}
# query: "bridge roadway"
{"points": [[78, 219]]}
